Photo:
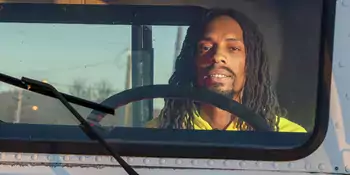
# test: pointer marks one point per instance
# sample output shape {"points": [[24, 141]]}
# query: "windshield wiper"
{"points": [[89, 104], [88, 130], [49, 90]]}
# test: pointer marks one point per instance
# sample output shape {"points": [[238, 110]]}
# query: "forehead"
{"points": [[223, 26]]}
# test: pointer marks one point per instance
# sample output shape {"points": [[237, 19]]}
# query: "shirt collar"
{"points": [[200, 123]]}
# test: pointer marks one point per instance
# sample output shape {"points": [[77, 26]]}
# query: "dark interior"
{"points": [[292, 31]]}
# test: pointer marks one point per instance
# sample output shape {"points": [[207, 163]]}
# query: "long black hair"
{"points": [[258, 94]]}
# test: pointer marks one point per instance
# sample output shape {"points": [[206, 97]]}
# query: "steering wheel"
{"points": [[168, 91]]}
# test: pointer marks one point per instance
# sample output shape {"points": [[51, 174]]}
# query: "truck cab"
{"points": [[169, 87]]}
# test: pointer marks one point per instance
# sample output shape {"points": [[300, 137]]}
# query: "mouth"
{"points": [[216, 76]]}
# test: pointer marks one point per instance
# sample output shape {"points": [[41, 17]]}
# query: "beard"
{"points": [[217, 88]]}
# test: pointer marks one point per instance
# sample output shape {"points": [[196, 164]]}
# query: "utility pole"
{"points": [[142, 71], [17, 117], [127, 112]]}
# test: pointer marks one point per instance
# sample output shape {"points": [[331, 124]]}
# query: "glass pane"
{"points": [[166, 50], [87, 61], [262, 58], [281, 71]]}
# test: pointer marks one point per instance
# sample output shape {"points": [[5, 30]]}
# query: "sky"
{"points": [[62, 53]]}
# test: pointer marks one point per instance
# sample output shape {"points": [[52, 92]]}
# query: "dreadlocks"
{"points": [[258, 94]]}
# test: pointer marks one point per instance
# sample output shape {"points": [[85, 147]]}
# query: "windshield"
{"points": [[92, 62], [255, 60]]}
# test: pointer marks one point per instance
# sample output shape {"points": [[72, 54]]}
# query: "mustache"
{"points": [[211, 67]]}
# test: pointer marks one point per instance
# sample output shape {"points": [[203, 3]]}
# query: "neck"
{"points": [[216, 117]]}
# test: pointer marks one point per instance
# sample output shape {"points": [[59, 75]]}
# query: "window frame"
{"points": [[71, 140]]}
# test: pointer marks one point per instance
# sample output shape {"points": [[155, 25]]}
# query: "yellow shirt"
{"points": [[200, 124]]}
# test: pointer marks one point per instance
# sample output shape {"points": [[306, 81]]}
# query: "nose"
{"points": [[219, 57]]}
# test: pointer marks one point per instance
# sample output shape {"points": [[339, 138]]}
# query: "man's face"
{"points": [[220, 59]]}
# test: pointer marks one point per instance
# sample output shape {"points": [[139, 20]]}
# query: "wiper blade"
{"points": [[88, 130], [89, 104]]}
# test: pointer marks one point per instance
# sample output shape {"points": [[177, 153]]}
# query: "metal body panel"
{"points": [[333, 157], [41, 170]]}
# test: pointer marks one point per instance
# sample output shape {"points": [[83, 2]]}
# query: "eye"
{"points": [[205, 48], [234, 48]]}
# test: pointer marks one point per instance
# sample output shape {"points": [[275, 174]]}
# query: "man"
{"points": [[225, 53]]}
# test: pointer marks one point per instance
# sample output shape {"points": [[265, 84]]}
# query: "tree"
{"points": [[97, 92], [103, 90], [77, 89]]}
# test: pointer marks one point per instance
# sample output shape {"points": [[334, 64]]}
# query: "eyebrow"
{"points": [[227, 39]]}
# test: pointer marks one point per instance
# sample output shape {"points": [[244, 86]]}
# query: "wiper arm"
{"points": [[18, 83], [88, 130]]}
